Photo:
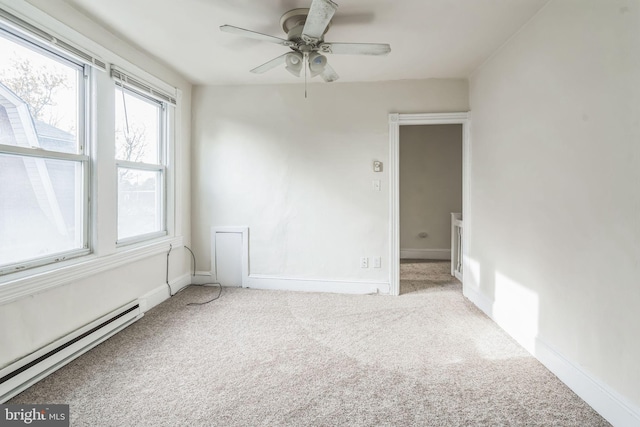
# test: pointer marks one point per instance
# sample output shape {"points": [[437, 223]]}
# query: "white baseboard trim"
{"points": [[161, 293], [257, 281], [614, 407], [179, 283], [202, 278], [611, 405], [425, 253], [479, 299], [153, 298]]}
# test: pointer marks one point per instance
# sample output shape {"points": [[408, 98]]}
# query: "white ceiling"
{"points": [[428, 38]]}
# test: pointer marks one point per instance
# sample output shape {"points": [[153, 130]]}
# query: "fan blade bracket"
{"points": [[325, 48], [310, 40]]}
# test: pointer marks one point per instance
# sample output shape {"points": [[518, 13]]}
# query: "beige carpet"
{"points": [[268, 358]]}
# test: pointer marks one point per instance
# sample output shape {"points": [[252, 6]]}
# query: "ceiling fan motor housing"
{"points": [[292, 23], [295, 34]]}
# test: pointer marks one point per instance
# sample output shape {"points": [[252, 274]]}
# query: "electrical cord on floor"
{"points": [[212, 299], [193, 275], [204, 284]]}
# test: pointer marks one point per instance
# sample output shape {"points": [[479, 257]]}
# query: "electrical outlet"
{"points": [[364, 262], [377, 262]]}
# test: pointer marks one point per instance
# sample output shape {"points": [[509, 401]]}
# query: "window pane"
{"points": [[38, 99], [41, 207], [137, 131], [139, 202]]}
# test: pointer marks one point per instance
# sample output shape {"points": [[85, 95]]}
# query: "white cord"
{"points": [[124, 104]]}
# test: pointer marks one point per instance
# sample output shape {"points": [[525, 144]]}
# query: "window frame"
{"points": [[161, 167], [82, 155]]}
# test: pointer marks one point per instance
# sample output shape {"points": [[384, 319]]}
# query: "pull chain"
{"points": [[306, 64]]}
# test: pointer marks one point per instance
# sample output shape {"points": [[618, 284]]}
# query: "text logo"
{"points": [[34, 415]]}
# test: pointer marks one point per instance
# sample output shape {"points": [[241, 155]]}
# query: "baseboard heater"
{"points": [[27, 371]]}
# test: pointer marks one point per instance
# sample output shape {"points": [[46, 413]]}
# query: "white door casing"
{"points": [[395, 121]]}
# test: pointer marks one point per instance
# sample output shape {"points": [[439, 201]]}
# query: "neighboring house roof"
{"points": [[22, 130], [53, 138], [17, 128], [29, 132]]}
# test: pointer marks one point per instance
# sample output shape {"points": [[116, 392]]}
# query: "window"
{"points": [[53, 100], [140, 162], [43, 161]]}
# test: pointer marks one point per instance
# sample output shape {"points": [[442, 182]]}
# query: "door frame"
{"points": [[395, 121]]}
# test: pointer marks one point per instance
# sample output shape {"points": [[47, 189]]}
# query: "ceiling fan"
{"points": [[305, 29]]}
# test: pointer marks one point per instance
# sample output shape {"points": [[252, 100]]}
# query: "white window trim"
{"points": [[162, 166], [81, 157]]}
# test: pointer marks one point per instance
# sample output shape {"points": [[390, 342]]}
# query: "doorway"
{"points": [[395, 121], [430, 192]]}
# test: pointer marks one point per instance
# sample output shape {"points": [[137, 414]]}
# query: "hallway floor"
{"points": [[422, 275]]}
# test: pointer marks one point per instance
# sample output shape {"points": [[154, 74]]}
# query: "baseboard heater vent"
{"points": [[27, 371]]}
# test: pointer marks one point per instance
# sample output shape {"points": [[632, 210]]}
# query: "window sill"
{"points": [[135, 241], [19, 285]]}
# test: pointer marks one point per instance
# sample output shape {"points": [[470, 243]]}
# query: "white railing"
{"points": [[456, 245]]}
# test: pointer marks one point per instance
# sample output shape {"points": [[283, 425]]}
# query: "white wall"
{"points": [[298, 172], [30, 322], [555, 197], [430, 185]]}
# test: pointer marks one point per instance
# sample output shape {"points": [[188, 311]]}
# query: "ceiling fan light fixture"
{"points": [[317, 63], [293, 63]]}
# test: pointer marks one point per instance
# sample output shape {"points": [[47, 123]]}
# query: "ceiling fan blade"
{"points": [[318, 19], [329, 75], [254, 35], [355, 48], [270, 64]]}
